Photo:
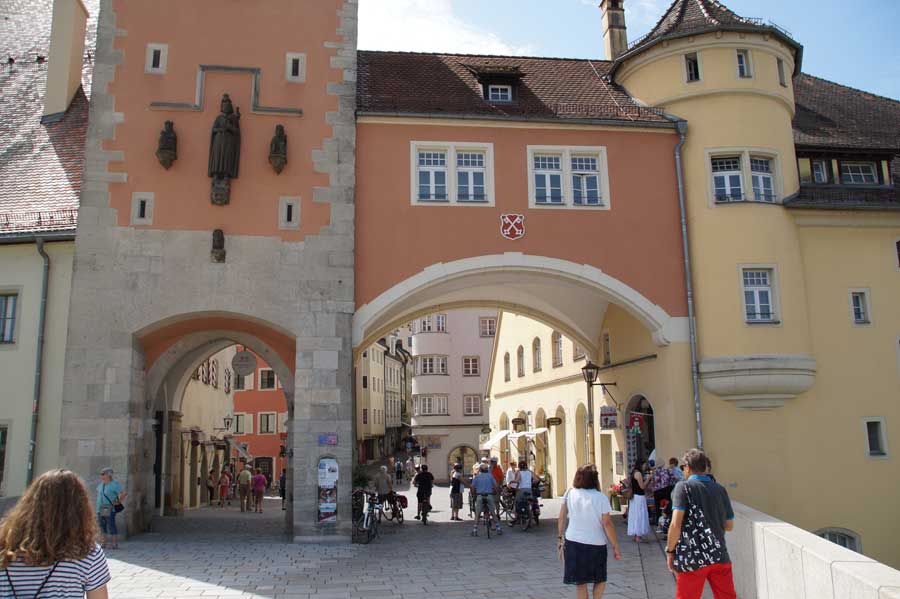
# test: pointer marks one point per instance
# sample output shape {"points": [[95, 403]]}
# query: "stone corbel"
{"points": [[758, 382]]}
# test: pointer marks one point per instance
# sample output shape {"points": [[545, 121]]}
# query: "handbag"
{"points": [[697, 546], [115, 505]]}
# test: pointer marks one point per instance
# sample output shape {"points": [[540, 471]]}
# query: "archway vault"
{"points": [[567, 296]]}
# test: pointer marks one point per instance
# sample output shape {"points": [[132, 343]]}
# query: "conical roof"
{"points": [[692, 17]]}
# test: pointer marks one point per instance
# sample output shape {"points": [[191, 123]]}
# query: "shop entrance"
{"points": [[640, 430]]}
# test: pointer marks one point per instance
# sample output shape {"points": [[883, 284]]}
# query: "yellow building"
{"points": [[370, 405], [794, 237]]}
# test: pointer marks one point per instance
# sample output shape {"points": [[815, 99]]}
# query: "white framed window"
{"points": [[728, 183], [487, 327], [820, 170], [9, 303], [556, 341], [295, 67], [762, 179], [606, 348], [431, 405], [243, 425], [573, 177], [471, 366], [859, 173], [4, 442], [876, 437], [536, 355], [692, 68], [500, 93], [744, 68], [758, 288], [426, 325], [365, 416], [843, 537], [142, 207], [452, 173], [506, 368], [782, 77], [157, 59], [897, 254], [428, 365], [520, 361], [267, 423], [472, 405], [860, 312], [440, 323], [288, 212], [266, 379]]}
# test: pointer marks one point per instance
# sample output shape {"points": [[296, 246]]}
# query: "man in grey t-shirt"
{"points": [[696, 549]]}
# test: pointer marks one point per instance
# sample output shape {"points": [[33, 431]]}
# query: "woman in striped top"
{"points": [[48, 543]]}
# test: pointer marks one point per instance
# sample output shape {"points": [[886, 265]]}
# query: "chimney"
{"points": [[66, 56], [614, 36]]}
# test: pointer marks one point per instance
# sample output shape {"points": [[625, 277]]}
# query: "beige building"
{"points": [[370, 404]]}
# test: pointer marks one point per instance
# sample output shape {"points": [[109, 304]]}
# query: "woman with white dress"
{"points": [[638, 518]]}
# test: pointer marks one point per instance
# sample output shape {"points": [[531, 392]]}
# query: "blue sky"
{"points": [[852, 42]]}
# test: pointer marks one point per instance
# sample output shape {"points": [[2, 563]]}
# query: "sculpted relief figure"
{"points": [[167, 149], [224, 151], [278, 150]]}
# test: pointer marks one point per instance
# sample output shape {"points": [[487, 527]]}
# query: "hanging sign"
{"points": [[609, 418], [636, 423], [328, 478], [512, 226], [244, 363], [555, 421]]}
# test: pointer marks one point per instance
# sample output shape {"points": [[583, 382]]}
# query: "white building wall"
{"points": [[21, 270], [443, 433]]}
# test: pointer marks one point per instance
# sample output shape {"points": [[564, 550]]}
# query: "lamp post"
{"points": [[590, 372]]}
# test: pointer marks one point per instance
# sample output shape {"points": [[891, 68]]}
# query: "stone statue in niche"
{"points": [[224, 151], [167, 150], [278, 150], [218, 246]]}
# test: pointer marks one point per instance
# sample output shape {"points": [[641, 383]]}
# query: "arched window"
{"points": [[841, 536], [536, 355], [557, 349], [520, 360], [506, 375]]}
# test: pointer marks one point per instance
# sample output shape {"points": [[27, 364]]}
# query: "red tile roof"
{"points": [[40, 164], [447, 84]]}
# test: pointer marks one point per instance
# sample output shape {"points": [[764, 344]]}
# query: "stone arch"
{"points": [[541, 452], [504, 442], [520, 283], [466, 458], [581, 437], [560, 481]]}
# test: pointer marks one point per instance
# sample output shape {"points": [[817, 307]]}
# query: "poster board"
{"points": [[328, 473]]}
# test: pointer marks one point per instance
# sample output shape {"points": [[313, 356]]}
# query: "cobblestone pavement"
{"points": [[220, 552]]}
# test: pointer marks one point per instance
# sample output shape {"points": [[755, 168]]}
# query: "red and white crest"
{"points": [[512, 226]]}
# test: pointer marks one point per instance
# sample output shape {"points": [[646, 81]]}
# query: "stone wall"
{"points": [[126, 280], [775, 560]]}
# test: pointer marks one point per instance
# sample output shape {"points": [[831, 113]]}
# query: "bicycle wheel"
{"points": [[399, 515], [362, 528], [525, 520], [486, 515], [372, 530]]}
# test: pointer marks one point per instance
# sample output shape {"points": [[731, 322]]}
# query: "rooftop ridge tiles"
{"points": [[850, 87], [463, 55]]}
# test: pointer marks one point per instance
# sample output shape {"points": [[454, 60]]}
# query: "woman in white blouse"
{"points": [[583, 541]]}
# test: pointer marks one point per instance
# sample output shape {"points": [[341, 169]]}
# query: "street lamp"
{"points": [[227, 421], [591, 371]]}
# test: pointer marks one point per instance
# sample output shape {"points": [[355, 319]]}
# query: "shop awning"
{"points": [[529, 434], [495, 438], [242, 453]]}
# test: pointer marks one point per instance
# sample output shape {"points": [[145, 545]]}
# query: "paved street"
{"points": [[223, 553]]}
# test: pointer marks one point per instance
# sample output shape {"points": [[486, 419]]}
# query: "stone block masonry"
{"points": [[130, 281]]}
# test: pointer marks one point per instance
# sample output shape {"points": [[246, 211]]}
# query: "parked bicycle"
{"points": [[367, 525]]}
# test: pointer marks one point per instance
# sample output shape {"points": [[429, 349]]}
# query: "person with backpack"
{"points": [[48, 542], [695, 546], [109, 503]]}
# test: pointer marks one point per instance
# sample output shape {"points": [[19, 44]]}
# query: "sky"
{"points": [[854, 42]]}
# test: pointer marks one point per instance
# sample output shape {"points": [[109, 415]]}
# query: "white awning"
{"points": [[239, 448], [494, 439], [529, 434]]}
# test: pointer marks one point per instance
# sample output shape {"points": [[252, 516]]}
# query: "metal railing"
{"points": [[42, 220], [710, 24]]}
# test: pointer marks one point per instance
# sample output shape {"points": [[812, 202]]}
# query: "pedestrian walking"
{"points": [[695, 546], [638, 518], [398, 471], [456, 498], [585, 529], [664, 483], [48, 542], [211, 486], [424, 482], [383, 486], [510, 473], [259, 483], [244, 492], [224, 484], [110, 498], [282, 487]]}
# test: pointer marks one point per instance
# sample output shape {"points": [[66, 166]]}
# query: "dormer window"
{"points": [[859, 173], [500, 93]]}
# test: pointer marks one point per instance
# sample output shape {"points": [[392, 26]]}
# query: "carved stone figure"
{"points": [[167, 150], [218, 246], [224, 151], [278, 150]]}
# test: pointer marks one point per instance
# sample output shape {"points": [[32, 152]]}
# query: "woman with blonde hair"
{"points": [[48, 543]]}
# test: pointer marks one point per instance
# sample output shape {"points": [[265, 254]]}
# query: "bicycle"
{"points": [[395, 508], [525, 514], [367, 525], [486, 516], [508, 504], [426, 507]]}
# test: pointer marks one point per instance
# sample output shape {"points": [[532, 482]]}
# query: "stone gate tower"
{"points": [[218, 208]]}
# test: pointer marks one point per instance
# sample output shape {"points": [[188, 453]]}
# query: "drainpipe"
{"points": [[39, 361], [695, 376]]}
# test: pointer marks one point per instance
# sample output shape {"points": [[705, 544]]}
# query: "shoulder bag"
{"points": [[697, 546]]}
